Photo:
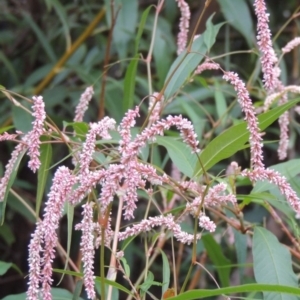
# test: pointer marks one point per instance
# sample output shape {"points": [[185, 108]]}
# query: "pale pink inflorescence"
{"points": [[101, 128], [279, 180], [87, 226], [184, 25], [35, 263], [291, 45], [268, 57], [9, 168], [250, 117], [207, 65], [33, 137], [82, 106], [9, 137], [61, 187], [167, 221], [154, 110]]}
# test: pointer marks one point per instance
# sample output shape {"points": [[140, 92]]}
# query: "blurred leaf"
{"points": [[272, 263], [221, 105], [145, 286], [234, 138], [129, 84], [216, 255], [97, 279], [57, 294], [41, 37], [162, 45], [141, 28], [21, 119], [7, 234], [180, 154], [4, 267], [201, 293], [11, 180], [125, 25], [240, 243], [62, 14], [166, 272], [211, 32], [183, 66], [78, 289], [37, 75], [9, 66], [125, 266], [238, 15], [43, 172]]}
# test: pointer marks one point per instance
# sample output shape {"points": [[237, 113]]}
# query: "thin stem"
{"points": [[106, 61], [149, 56], [112, 273]]}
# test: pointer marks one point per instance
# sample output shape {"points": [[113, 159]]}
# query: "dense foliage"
{"points": [[150, 149]]}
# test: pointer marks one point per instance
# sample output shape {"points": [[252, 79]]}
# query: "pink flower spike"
{"points": [[291, 45], [206, 223], [61, 187], [33, 137], [10, 168], [207, 65], [167, 221], [184, 25], [82, 106], [34, 262], [124, 129], [155, 111], [250, 117], [101, 128], [268, 56], [88, 249]]}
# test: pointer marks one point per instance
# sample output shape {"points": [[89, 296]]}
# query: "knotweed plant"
{"points": [[115, 178]]}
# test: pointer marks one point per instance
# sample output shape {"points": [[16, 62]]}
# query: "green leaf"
{"points": [[166, 272], [129, 84], [125, 266], [9, 185], [78, 289], [43, 172], [125, 25], [272, 263], [148, 283], [57, 294], [4, 267], [41, 37], [141, 28], [238, 15], [97, 279], [61, 12], [240, 242], [220, 100], [287, 169], [180, 154], [215, 254], [183, 66], [200, 294], [211, 32], [234, 138]]}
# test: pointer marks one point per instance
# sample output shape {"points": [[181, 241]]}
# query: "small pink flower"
{"points": [[83, 104], [291, 45], [87, 249], [184, 25], [250, 117], [33, 137], [268, 56], [101, 128]]}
